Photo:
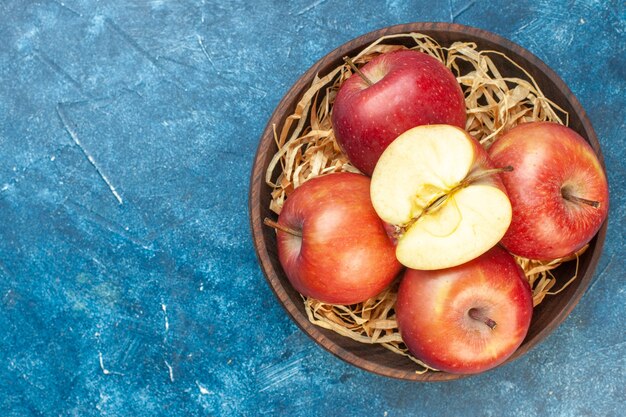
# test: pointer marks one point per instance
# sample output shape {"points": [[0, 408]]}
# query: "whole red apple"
{"points": [[558, 189], [331, 244], [403, 89], [466, 319]]}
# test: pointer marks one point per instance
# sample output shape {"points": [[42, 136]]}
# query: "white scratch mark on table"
{"points": [[99, 263], [167, 321], [92, 161], [144, 52], [601, 274], [593, 354], [60, 71], [170, 370], [276, 374], [5, 270], [463, 10], [108, 224], [105, 370], [203, 389], [310, 7], [205, 51], [66, 7]]}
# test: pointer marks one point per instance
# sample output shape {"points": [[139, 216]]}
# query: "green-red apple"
{"points": [[558, 189], [396, 91], [331, 244], [465, 319]]}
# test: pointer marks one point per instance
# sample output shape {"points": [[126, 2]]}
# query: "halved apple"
{"points": [[439, 189]]}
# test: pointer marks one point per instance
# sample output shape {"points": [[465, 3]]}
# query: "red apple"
{"points": [[331, 244], [558, 190], [466, 319], [408, 88]]}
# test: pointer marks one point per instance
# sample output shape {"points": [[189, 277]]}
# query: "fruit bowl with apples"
{"points": [[428, 201]]}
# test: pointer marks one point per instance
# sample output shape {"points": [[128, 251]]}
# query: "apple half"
{"points": [[436, 185]]}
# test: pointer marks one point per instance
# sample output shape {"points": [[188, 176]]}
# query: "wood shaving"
{"points": [[540, 277], [307, 148]]}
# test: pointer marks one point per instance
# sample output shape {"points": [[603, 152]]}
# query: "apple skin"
{"points": [[546, 158], [409, 89], [433, 316], [344, 255]]}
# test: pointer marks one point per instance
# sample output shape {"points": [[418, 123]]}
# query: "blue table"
{"points": [[128, 281]]}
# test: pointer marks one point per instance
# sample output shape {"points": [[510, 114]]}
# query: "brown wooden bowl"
{"points": [[547, 315]]}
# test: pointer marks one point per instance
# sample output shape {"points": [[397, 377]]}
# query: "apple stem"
{"points": [[476, 314], [278, 226], [434, 204], [566, 194], [486, 173], [349, 61]]}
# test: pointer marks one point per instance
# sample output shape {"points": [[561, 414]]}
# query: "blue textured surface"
{"points": [[128, 279]]}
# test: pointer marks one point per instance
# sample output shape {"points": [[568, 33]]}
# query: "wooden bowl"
{"points": [[547, 315]]}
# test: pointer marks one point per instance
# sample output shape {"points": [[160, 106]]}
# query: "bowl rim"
{"points": [[257, 183]]}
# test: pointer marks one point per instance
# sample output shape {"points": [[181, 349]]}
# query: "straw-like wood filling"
{"points": [[307, 149]]}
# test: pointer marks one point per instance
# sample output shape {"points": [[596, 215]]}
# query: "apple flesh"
{"points": [[331, 244], [436, 185], [558, 190], [465, 319], [408, 89]]}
